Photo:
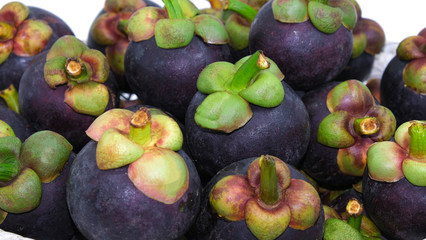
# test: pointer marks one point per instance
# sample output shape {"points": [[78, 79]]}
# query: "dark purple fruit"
{"points": [[13, 66], [17, 122], [307, 56]]}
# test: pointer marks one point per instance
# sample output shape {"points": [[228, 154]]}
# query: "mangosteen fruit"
{"points": [[66, 88], [345, 121], [26, 31], [133, 180], [238, 109], [16, 122], [33, 178], [403, 85], [394, 183], [368, 40], [311, 41], [108, 34], [168, 50], [259, 198]]}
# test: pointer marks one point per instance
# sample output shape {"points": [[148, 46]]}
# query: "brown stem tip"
{"points": [[73, 67], [354, 208], [141, 117]]}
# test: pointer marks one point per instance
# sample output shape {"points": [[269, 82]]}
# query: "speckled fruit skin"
{"points": [[306, 56], [44, 108], [17, 122], [210, 226], [167, 78], [12, 69], [51, 219], [405, 103], [398, 209], [104, 204], [320, 161], [282, 131], [358, 68]]}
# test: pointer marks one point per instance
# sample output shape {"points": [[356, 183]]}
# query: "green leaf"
{"points": [[265, 91], [223, 111]]}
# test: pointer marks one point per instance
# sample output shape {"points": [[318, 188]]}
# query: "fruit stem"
{"points": [[366, 126], [241, 8], [248, 70], [10, 95], [173, 9], [417, 147], [122, 26], [268, 180], [354, 209], [216, 4], [140, 126], [9, 168], [73, 67]]}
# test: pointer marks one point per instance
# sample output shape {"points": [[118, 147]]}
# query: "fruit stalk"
{"points": [[268, 180], [354, 209], [241, 8], [173, 9], [417, 147], [140, 126], [366, 126], [10, 95]]}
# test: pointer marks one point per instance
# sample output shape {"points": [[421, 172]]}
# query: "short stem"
{"points": [[140, 126], [354, 209], [9, 168], [216, 4], [73, 67], [268, 180], [417, 133], [10, 95], [256, 63], [241, 8], [366, 126], [173, 9], [122, 26]]}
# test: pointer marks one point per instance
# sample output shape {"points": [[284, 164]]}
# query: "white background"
{"points": [[398, 18]]}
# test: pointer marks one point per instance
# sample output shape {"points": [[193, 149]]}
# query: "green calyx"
{"points": [[9, 162], [10, 95], [267, 198], [326, 16], [232, 88], [5, 130], [71, 62], [144, 140], [354, 123]]}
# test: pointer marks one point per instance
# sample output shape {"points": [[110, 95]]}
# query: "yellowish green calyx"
{"points": [[5, 129], [10, 95]]}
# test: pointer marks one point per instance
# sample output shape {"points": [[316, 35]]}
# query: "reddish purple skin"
{"points": [[17, 122], [398, 209], [105, 204], [282, 131], [44, 108], [358, 68], [404, 103], [320, 161], [12, 69], [210, 226], [51, 219], [306, 56], [167, 78]]}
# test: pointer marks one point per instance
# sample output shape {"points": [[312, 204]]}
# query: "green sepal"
{"points": [[23, 194], [5, 130], [336, 229], [115, 150], [223, 111], [62, 47], [350, 15], [141, 25], [387, 123], [19, 12], [11, 96], [26, 42], [9, 152], [46, 152], [3, 215], [54, 71], [266, 90], [5, 50], [210, 29], [333, 132], [402, 137], [216, 77], [414, 75], [98, 63], [415, 171], [238, 30], [10, 146], [188, 8], [290, 11], [359, 44], [174, 33], [87, 98], [384, 161], [325, 18], [352, 160], [272, 68], [412, 47]]}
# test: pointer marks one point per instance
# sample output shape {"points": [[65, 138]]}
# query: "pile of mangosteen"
{"points": [[253, 119]]}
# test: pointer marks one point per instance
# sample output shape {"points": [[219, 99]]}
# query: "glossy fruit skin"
{"points": [[44, 108], [282, 131], [405, 103], [210, 226], [358, 68], [306, 56], [167, 78], [51, 219], [12, 69], [120, 78], [398, 209], [320, 161], [105, 204], [17, 122]]}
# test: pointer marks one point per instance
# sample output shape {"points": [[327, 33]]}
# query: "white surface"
{"points": [[399, 19]]}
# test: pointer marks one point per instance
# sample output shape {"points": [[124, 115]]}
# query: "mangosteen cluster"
{"points": [[251, 119]]}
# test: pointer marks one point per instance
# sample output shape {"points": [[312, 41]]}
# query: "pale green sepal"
{"points": [[6, 130], [265, 91], [415, 171], [332, 131], [188, 8], [88, 98], [414, 75], [216, 77], [210, 29], [223, 111], [290, 11], [174, 33], [336, 229], [61, 47], [384, 160], [350, 15], [325, 18], [54, 71], [142, 23], [98, 65], [401, 134], [238, 31], [272, 68], [10, 145]]}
